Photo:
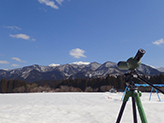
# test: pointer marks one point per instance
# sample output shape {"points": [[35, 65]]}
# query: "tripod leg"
{"points": [[134, 110], [140, 108], [121, 112], [126, 97]]}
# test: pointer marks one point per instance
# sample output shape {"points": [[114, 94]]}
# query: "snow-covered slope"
{"points": [[161, 69], [75, 108], [145, 69]]}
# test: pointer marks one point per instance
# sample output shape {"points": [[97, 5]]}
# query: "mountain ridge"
{"points": [[66, 71]]}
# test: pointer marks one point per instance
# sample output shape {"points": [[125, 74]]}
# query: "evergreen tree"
{"points": [[10, 86], [3, 85]]}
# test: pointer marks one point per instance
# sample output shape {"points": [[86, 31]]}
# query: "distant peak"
{"points": [[35, 65], [6, 69], [94, 63], [151, 66], [54, 65], [109, 62], [81, 63]]}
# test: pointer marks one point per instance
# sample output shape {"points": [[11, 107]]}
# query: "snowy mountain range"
{"points": [[74, 70]]}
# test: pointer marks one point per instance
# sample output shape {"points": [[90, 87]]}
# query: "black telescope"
{"points": [[133, 62]]}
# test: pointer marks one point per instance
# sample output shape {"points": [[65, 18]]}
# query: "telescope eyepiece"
{"points": [[139, 54]]}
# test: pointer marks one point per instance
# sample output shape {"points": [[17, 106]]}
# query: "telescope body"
{"points": [[133, 62], [122, 65]]}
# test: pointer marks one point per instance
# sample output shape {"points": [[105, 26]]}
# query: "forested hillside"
{"points": [[74, 85]]}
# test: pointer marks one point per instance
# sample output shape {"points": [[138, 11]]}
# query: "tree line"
{"points": [[74, 85], [19, 86]]}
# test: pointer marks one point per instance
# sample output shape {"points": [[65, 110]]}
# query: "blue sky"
{"points": [[65, 31]]}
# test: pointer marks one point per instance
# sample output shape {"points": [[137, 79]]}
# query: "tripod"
{"points": [[135, 94], [135, 99]]}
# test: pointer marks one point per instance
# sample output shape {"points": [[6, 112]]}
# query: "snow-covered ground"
{"points": [[74, 108]]}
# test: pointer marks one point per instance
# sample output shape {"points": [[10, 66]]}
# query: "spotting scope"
{"points": [[133, 62]]}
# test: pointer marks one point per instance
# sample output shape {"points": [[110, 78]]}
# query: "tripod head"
{"points": [[129, 80]]}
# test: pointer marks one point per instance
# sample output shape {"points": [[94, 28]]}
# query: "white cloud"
{"points": [[77, 53], [59, 1], [17, 59], [15, 65], [13, 27], [53, 65], [159, 42], [49, 3], [81, 63], [4, 62], [22, 36]]}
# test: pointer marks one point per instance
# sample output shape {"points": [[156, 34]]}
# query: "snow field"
{"points": [[74, 108]]}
